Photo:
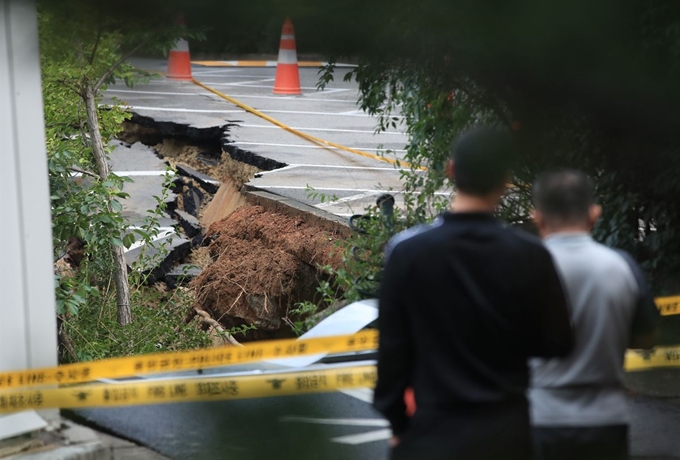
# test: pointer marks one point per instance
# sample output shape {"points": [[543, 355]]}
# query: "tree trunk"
{"points": [[121, 276]]}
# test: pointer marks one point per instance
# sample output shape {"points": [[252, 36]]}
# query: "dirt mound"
{"points": [[264, 263]]}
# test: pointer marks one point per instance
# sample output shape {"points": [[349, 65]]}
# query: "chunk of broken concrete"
{"points": [[157, 258], [192, 199], [208, 183], [189, 223], [181, 275]]}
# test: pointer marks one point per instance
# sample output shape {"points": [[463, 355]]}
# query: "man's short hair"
{"points": [[564, 196], [483, 158]]}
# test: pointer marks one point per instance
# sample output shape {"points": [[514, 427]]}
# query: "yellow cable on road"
{"points": [[305, 136]]}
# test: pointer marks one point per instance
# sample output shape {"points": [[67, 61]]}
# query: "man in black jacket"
{"points": [[463, 305]]}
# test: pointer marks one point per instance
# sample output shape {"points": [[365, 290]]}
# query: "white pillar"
{"points": [[27, 307]]}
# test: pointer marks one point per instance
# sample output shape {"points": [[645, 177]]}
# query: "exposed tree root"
{"points": [[207, 319]]}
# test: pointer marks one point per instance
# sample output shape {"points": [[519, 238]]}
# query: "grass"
{"points": [[159, 324]]}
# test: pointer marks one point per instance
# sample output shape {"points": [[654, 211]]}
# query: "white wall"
{"points": [[27, 308]]}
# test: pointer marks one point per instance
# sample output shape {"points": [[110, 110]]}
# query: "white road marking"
{"points": [[301, 146], [284, 98], [362, 438], [369, 168], [362, 394], [338, 421], [239, 96], [285, 168], [221, 71], [340, 189], [330, 130], [358, 196], [144, 173], [176, 109], [163, 232], [159, 93], [247, 84], [238, 83]]}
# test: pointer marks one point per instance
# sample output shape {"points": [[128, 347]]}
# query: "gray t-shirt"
{"points": [[610, 300]]}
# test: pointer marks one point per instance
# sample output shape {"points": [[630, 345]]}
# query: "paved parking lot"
{"points": [[331, 115]]}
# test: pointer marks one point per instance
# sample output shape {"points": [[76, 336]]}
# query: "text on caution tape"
{"points": [[198, 359]]}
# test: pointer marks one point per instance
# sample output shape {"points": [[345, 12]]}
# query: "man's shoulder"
{"points": [[409, 234], [597, 254]]}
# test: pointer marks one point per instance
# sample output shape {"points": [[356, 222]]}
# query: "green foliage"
{"points": [[159, 325], [84, 47], [242, 329]]}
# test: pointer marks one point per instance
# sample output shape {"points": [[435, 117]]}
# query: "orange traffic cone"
{"points": [[287, 73], [179, 61]]}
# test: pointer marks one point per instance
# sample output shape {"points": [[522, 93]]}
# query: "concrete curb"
{"points": [[66, 440], [288, 206], [93, 451]]}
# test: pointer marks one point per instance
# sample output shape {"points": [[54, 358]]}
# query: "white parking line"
{"points": [[239, 83], [247, 84], [285, 168], [177, 109], [362, 438], [368, 168], [300, 146], [358, 196], [339, 189], [286, 98], [162, 233], [159, 93], [144, 173], [362, 394], [338, 421], [330, 130], [292, 112], [240, 96]]}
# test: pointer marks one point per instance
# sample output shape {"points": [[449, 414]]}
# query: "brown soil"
{"points": [[200, 257], [264, 263], [175, 152]]}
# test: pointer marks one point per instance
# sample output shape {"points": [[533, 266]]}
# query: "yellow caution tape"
{"points": [[240, 387], [668, 305], [214, 357], [639, 360], [185, 390], [197, 359], [310, 138]]}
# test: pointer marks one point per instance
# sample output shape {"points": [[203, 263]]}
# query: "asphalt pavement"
{"points": [[331, 114], [332, 426]]}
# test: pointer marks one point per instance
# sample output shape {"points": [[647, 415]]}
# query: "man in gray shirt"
{"points": [[578, 405]]}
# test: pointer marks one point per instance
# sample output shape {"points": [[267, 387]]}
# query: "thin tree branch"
{"points": [[81, 123], [117, 64], [99, 35], [82, 171], [96, 45]]}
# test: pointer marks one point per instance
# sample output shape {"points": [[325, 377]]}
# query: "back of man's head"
{"points": [[482, 160], [564, 197]]}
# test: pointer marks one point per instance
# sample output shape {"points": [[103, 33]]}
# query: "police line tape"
{"points": [[187, 360], [188, 390], [668, 305], [659, 357], [239, 387], [224, 356]]}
